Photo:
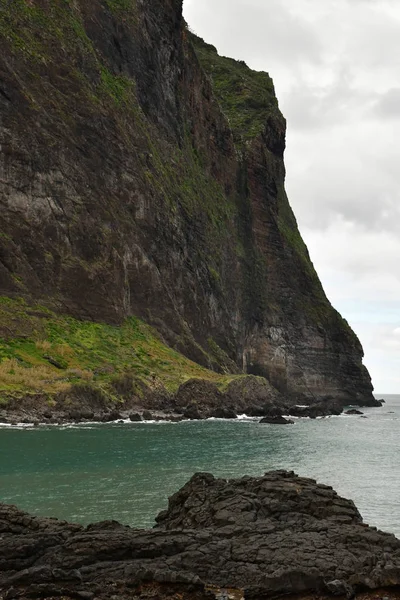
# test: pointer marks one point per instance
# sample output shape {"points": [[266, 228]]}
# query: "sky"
{"points": [[335, 66]]}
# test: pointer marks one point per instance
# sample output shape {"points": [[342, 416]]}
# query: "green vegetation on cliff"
{"points": [[246, 97], [44, 352]]}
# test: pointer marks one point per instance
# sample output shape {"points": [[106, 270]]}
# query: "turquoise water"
{"points": [[126, 472]]}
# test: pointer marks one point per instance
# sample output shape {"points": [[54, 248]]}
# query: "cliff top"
{"points": [[247, 97]]}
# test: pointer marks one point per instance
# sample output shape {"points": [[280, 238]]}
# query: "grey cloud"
{"points": [[388, 105], [310, 107], [327, 180], [246, 30]]}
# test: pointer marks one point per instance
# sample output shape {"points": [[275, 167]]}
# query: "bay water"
{"points": [[87, 473]]}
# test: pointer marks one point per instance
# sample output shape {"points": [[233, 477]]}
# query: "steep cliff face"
{"points": [[142, 174]]}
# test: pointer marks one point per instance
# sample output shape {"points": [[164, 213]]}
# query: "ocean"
{"points": [[86, 473]]}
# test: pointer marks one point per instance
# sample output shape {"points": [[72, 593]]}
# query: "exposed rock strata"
{"points": [[259, 536], [124, 189]]}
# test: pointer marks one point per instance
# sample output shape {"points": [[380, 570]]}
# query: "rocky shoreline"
{"points": [[196, 399], [275, 535]]}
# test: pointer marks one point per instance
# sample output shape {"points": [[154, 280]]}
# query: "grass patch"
{"points": [[41, 351], [246, 97], [122, 6]]}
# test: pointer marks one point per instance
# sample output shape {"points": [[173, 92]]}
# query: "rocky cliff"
{"points": [[248, 538], [142, 174]]}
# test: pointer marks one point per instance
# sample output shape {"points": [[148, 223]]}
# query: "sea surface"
{"points": [[127, 471]]}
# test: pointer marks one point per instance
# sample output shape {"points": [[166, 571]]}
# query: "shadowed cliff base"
{"points": [[247, 538], [142, 175]]}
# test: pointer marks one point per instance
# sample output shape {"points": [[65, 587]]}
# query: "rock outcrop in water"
{"points": [[257, 537], [142, 174]]}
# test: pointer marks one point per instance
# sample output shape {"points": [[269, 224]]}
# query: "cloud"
{"points": [[245, 29], [388, 105]]}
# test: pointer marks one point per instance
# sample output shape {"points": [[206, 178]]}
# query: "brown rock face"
{"points": [[258, 537], [125, 189]]}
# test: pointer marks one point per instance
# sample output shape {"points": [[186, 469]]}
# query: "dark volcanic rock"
{"points": [[224, 413], [193, 412], [147, 416], [251, 394], [277, 534], [135, 417], [321, 409], [113, 415], [203, 393], [354, 411], [278, 420]]}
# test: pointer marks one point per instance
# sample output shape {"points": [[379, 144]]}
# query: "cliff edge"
{"points": [[141, 174]]}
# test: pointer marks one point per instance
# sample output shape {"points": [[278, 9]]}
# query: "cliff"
{"points": [[142, 175], [248, 538]]}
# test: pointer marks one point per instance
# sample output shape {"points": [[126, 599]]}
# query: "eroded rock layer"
{"points": [[142, 174], [277, 534]]}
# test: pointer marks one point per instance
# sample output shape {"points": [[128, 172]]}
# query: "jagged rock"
{"points": [[80, 415], [273, 411], [205, 394], [277, 421], [147, 416], [135, 417], [340, 588], [272, 535], [354, 411], [113, 415], [321, 409], [193, 412], [251, 395], [224, 413]]}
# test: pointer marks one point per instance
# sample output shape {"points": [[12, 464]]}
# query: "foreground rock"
{"points": [[277, 534]]}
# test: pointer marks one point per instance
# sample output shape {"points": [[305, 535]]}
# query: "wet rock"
{"points": [[320, 409], [353, 411], [192, 412], [277, 421], [135, 417], [80, 415], [113, 415], [273, 411], [147, 416], [224, 413]]}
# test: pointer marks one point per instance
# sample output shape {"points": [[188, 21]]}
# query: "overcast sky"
{"points": [[336, 68]]}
